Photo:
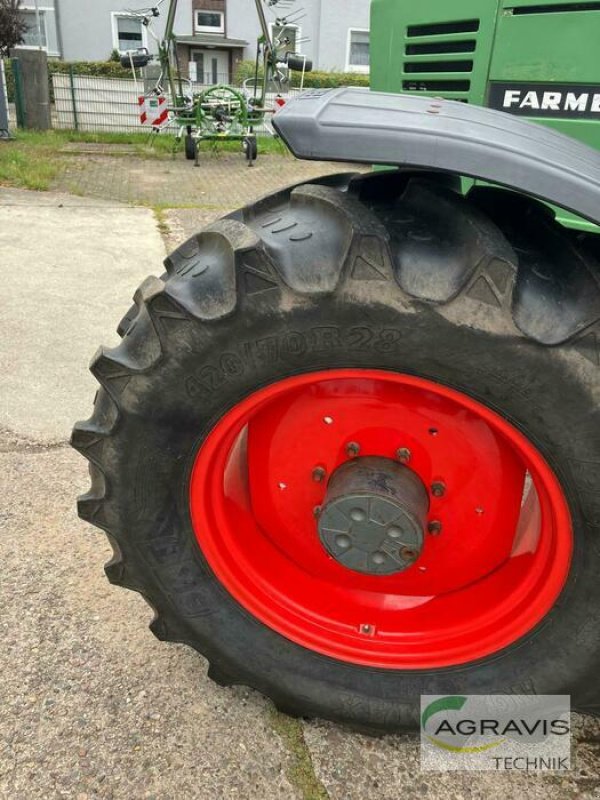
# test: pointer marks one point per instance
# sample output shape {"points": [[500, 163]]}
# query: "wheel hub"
{"points": [[374, 516]]}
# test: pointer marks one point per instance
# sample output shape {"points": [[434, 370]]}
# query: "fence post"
{"points": [[4, 132], [21, 112], [33, 90], [73, 97]]}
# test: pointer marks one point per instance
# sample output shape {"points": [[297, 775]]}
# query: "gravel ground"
{"points": [[93, 706]]}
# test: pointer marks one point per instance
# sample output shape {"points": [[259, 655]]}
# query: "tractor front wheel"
{"points": [[349, 449]]}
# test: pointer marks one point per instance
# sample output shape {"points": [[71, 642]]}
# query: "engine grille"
{"points": [[439, 58]]}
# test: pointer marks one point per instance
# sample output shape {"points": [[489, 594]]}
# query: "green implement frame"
{"points": [[219, 112]]}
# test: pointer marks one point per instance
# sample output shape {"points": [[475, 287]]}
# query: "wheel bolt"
{"points": [[319, 474], [353, 449], [438, 489], [404, 455], [435, 527], [408, 554]]}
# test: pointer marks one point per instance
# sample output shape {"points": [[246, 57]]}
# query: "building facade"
{"points": [[334, 34], [208, 51], [212, 35]]}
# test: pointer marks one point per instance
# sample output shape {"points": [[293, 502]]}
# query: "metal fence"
{"points": [[94, 104], [86, 103]]}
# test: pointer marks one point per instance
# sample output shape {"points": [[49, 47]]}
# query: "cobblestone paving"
{"points": [[222, 181]]}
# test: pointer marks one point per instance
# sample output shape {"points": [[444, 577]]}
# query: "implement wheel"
{"points": [[191, 147], [349, 449], [250, 148]]}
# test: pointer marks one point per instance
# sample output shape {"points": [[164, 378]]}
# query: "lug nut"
{"points": [[404, 455], [438, 489], [435, 527], [353, 449], [319, 474], [408, 554]]}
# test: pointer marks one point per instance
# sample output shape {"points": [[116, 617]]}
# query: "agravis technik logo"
{"points": [[495, 732]]}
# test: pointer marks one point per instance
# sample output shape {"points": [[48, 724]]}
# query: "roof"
{"points": [[211, 40]]}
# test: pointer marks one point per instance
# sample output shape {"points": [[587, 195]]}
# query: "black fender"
{"points": [[357, 125]]}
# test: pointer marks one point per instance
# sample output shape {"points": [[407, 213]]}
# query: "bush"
{"points": [[312, 80], [97, 69]]}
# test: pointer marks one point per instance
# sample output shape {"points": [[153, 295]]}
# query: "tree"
{"points": [[12, 25]]}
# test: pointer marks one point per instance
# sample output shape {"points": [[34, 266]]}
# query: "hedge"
{"points": [[97, 69], [245, 70], [312, 80]]}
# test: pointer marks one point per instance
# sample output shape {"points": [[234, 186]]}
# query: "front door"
{"points": [[208, 66]]}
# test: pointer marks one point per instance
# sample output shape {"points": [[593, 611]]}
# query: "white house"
{"points": [[212, 35]]}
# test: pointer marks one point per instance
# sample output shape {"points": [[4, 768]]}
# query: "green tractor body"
{"points": [[536, 59]]}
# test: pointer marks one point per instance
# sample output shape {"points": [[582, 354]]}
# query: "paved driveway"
{"points": [[92, 705]]}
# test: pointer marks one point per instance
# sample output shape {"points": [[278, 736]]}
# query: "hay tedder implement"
{"points": [[221, 112]]}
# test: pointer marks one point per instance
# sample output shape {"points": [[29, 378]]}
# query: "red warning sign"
{"points": [[153, 110]]}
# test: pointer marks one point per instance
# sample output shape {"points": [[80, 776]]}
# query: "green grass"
{"points": [[161, 220], [29, 161], [266, 145], [300, 771], [33, 159]]}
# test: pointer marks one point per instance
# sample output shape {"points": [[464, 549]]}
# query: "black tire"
{"points": [[251, 149], [487, 295], [191, 148]]}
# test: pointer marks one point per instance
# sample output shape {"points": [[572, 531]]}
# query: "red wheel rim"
{"points": [[486, 579]]}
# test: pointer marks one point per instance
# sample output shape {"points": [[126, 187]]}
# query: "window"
{"points": [[210, 22], [358, 51], [31, 37], [128, 33], [286, 39]]}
